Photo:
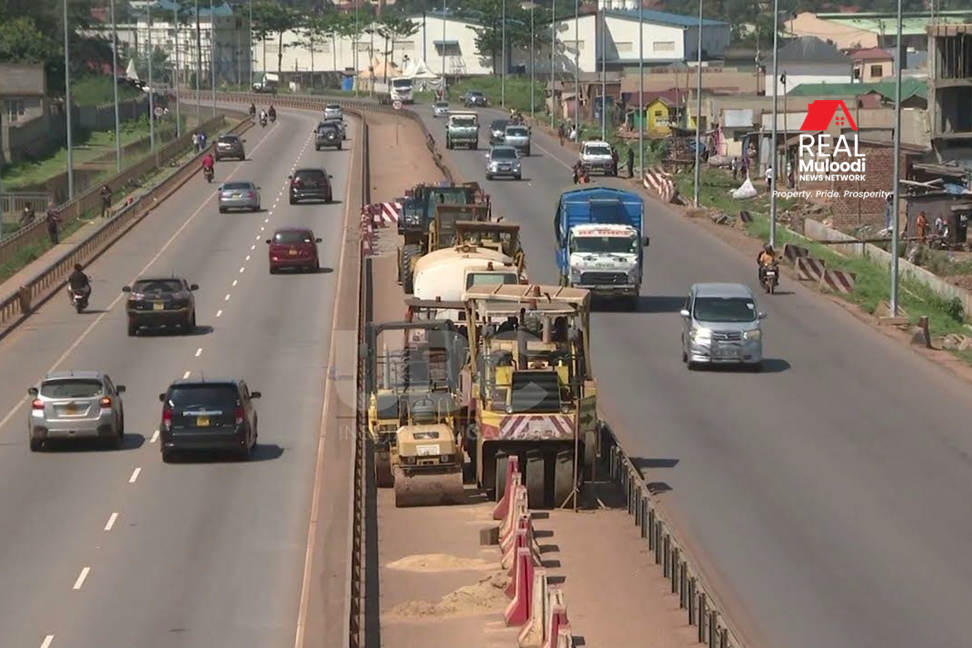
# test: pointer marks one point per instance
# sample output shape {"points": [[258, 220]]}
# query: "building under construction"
{"points": [[950, 92]]}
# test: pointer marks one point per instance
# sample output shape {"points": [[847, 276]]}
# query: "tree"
{"points": [[397, 28], [272, 18], [489, 35]]}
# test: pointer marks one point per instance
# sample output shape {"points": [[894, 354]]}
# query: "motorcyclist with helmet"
{"points": [[208, 166], [766, 258], [79, 283]]}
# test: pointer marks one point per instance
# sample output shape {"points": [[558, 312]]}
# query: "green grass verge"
{"points": [[517, 92], [97, 90], [873, 285]]}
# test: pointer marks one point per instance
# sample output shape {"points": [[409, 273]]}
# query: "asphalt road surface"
{"points": [[103, 548], [829, 495]]}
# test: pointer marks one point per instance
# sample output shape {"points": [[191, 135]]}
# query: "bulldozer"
{"points": [[414, 409], [532, 388], [440, 233]]}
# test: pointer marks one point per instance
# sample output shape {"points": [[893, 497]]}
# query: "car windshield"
{"points": [[490, 279], [597, 150], [402, 83], [237, 186], [157, 286], [288, 238], [332, 107], [604, 244], [203, 397], [725, 309], [228, 139], [464, 122], [72, 388], [304, 176], [503, 154], [499, 124], [441, 104], [517, 131], [475, 94]]}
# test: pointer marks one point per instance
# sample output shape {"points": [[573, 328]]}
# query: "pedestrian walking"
{"points": [[195, 142], [630, 162], [616, 159], [561, 133], [53, 221], [202, 140], [734, 167], [105, 200], [745, 167], [921, 227]]}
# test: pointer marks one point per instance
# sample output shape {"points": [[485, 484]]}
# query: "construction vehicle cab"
{"points": [[441, 233], [414, 409], [533, 391]]}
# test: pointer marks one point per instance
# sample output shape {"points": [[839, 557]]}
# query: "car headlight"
{"points": [[633, 275], [575, 274], [755, 334], [702, 334]]}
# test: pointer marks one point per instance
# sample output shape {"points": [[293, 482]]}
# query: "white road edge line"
{"points": [[155, 437], [318, 465], [111, 521], [101, 316], [84, 574], [48, 640], [135, 474]]}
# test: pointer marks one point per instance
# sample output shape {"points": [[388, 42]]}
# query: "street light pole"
{"points": [[603, 74], [776, 92], [899, 63], [443, 42], [67, 104], [577, 68], [212, 53], [533, 65], [175, 69], [698, 110], [250, 27], [199, 69], [114, 83], [641, 89], [151, 86], [553, 50], [503, 53]]}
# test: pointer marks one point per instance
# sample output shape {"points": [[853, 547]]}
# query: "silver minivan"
{"points": [[721, 325]]}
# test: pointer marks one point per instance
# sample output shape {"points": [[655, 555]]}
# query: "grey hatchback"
{"points": [[75, 405], [722, 325], [230, 146], [239, 195]]}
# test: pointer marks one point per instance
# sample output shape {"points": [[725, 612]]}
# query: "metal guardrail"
{"points": [[694, 595], [90, 200], [19, 305]]}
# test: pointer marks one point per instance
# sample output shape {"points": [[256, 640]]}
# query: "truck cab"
{"points": [[463, 130], [598, 157], [402, 90]]}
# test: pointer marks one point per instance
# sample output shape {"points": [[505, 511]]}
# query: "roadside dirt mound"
{"points": [[483, 597], [440, 563]]}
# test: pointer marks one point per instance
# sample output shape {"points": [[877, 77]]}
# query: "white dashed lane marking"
{"points": [[113, 518], [83, 575], [155, 437], [48, 640], [185, 375], [135, 474], [198, 352], [219, 313]]}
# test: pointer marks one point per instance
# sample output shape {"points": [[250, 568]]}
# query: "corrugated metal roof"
{"points": [[912, 24], [810, 49]]}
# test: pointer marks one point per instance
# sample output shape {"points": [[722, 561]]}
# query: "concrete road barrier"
{"points": [[387, 213], [839, 281], [366, 231], [793, 252], [556, 618], [810, 269], [518, 611], [660, 182], [531, 634], [502, 507]]}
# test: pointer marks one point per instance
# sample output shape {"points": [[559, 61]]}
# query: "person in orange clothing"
{"points": [[921, 227]]}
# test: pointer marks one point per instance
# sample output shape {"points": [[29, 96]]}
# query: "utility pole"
{"points": [[250, 26], [641, 88], [896, 197], [533, 64], [776, 92], [503, 75], [443, 41], [199, 69], [175, 69], [603, 74], [67, 104], [577, 120], [553, 51], [151, 86], [698, 110], [114, 84], [212, 53]]}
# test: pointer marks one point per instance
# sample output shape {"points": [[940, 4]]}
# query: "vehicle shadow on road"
{"points": [[262, 452], [775, 365], [652, 304], [132, 441], [93, 311], [200, 329]]}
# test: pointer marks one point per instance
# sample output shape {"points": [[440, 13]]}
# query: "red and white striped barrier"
{"points": [[531, 634], [386, 213], [518, 611], [659, 181], [793, 252], [512, 472], [810, 269], [366, 232], [839, 281], [556, 619]]}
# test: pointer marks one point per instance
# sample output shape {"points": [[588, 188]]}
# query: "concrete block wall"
{"points": [[852, 211]]}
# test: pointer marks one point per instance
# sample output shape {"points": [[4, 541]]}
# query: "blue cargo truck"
{"points": [[601, 241]]}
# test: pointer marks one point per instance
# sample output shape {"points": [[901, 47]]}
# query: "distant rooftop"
{"points": [[909, 88], [663, 18], [810, 49], [912, 23]]}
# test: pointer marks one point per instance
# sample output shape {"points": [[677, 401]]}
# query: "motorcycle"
{"points": [[79, 298], [771, 278], [263, 122], [273, 117], [208, 172]]}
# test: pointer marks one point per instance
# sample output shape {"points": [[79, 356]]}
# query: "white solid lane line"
{"points": [[48, 640], [84, 574], [135, 474], [112, 519], [198, 352], [155, 437]]}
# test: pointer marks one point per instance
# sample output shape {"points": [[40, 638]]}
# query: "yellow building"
{"points": [[659, 112]]}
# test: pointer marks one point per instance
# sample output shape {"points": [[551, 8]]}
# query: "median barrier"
{"points": [[810, 268], [512, 473], [839, 281], [556, 619], [15, 308], [531, 634], [518, 611], [793, 252]]}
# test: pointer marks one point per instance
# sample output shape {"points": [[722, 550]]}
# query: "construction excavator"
{"points": [[414, 409], [532, 388]]}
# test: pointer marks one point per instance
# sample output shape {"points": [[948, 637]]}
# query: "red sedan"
{"points": [[293, 247]]}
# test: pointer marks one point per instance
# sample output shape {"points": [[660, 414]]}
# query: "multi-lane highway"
{"points": [[116, 549], [827, 496]]}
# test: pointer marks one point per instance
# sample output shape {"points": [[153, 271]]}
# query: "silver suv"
{"points": [[76, 404], [722, 325]]}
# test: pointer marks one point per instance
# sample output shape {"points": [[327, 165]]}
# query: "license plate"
{"points": [[292, 252], [71, 409], [158, 306], [728, 352], [426, 449], [202, 421]]}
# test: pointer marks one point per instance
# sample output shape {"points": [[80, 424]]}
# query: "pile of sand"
{"points": [[485, 596], [429, 563]]}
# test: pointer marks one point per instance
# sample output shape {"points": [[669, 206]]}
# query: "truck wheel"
{"points": [[535, 480], [410, 254], [502, 466]]}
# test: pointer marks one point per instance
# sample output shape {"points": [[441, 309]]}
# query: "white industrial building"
{"points": [[223, 37], [447, 44]]}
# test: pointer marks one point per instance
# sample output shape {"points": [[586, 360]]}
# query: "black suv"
{"points": [[165, 302], [208, 415], [475, 98], [328, 135], [310, 184], [230, 146]]}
